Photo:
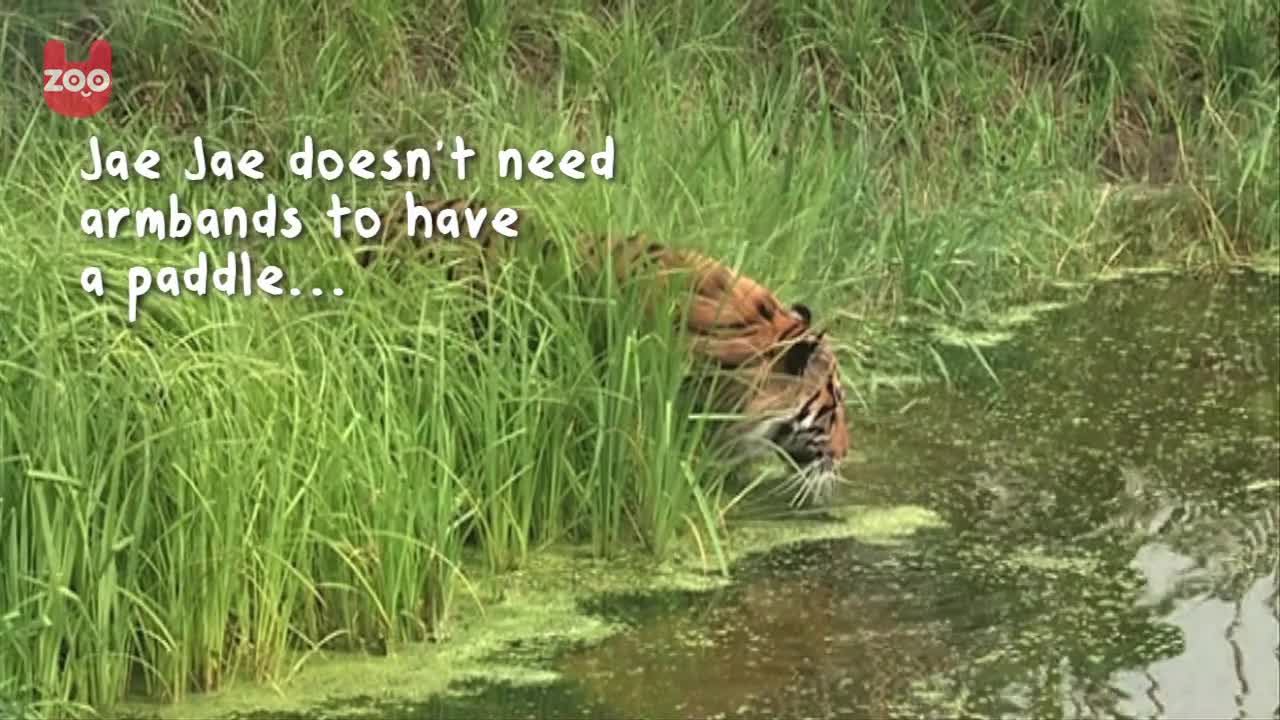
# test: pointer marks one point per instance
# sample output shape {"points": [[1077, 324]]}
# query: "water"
{"points": [[1112, 549], [1113, 544]]}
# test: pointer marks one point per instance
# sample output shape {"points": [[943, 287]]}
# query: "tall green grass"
{"points": [[228, 484]]}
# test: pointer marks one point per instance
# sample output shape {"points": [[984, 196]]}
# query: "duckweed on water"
{"points": [[530, 615]]}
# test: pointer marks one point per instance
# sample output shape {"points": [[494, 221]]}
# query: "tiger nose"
{"points": [[805, 455]]}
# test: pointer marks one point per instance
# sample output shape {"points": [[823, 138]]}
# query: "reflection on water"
{"points": [[1113, 547], [1229, 661]]}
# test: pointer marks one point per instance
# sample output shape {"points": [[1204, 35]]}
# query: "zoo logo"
{"points": [[77, 89]]}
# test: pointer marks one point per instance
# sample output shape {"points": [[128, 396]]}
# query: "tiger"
{"points": [[763, 360]]}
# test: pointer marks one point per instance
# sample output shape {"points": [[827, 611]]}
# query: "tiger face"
{"points": [[801, 406], [792, 404]]}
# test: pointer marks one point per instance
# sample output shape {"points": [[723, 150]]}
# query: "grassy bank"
{"points": [[197, 494]]}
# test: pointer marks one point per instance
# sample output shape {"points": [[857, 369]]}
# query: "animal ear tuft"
{"points": [[795, 359]]}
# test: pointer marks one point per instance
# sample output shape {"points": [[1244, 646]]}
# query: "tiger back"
{"points": [[729, 316]]}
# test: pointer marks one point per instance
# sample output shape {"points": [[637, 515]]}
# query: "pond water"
{"points": [[1114, 533], [1112, 548]]}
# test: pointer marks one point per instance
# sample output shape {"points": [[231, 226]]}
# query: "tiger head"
{"points": [[770, 368], [760, 359], [794, 404]]}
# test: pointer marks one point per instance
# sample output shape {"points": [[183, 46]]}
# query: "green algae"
{"points": [[971, 338], [1020, 315], [1129, 272], [1040, 559], [1264, 264], [538, 607], [413, 673], [994, 329], [895, 381]]}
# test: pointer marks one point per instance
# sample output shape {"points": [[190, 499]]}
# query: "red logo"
{"points": [[77, 89]]}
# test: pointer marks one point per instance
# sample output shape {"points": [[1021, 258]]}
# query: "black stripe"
{"points": [[826, 411], [804, 409]]}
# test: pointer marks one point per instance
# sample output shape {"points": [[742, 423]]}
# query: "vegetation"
{"points": [[230, 480]]}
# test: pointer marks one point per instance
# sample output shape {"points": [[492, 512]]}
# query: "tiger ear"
{"points": [[803, 311], [795, 359]]}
